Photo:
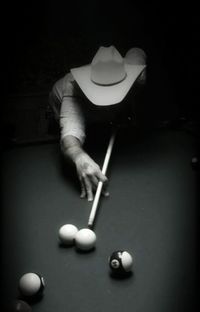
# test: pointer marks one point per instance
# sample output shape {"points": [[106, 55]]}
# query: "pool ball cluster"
{"points": [[31, 285], [84, 239], [120, 262]]}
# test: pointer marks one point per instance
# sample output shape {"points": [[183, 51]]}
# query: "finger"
{"points": [[105, 191], [101, 176], [95, 181], [83, 191], [88, 188]]}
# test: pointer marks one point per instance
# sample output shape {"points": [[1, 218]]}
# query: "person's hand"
{"points": [[89, 174]]}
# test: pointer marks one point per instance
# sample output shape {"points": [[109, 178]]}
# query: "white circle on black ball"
{"points": [[115, 263]]}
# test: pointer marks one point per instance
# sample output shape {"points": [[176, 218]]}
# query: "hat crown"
{"points": [[107, 66]]}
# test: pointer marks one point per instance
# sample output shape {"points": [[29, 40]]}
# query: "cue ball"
{"points": [[31, 285], [67, 234], [85, 239], [120, 262], [20, 306]]}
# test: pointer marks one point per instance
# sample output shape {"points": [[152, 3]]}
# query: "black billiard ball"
{"points": [[120, 262], [19, 306], [31, 285]]}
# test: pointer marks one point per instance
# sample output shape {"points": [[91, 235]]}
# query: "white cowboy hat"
{"points": [[109, 77]]}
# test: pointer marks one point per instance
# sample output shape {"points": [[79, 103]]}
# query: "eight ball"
{"points": [[120, 262]]}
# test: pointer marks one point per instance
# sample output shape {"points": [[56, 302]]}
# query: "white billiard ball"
{"points": [[85, 239], [67, 234], [31, 284]]}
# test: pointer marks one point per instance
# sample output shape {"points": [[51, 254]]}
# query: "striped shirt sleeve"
{"points": [[72, 121]]}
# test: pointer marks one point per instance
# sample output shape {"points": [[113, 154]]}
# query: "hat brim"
{"points": [[106, 95]]}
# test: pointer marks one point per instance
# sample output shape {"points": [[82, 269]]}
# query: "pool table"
{"points": [[151, 212]]}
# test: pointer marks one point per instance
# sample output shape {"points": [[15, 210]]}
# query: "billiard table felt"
{"points": [[151, 212]]}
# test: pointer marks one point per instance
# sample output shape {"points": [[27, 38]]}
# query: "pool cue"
{"points": [[100, 183]]}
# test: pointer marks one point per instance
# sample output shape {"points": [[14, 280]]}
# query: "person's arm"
{"points": [[72, 137]]}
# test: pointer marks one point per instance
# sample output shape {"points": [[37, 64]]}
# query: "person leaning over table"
{"points": [[94, 93]]}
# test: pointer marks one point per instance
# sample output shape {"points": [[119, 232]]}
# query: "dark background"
{"points": [[43, 40]]}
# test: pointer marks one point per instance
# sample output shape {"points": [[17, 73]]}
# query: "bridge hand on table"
{"points": [[89, 174]]}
